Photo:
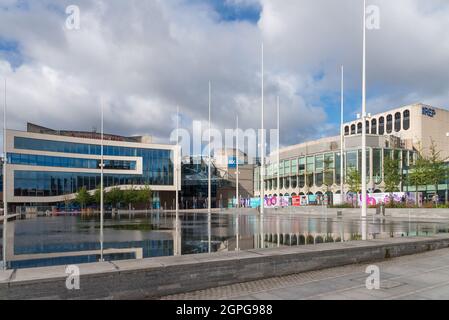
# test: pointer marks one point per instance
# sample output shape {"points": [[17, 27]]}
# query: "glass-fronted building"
{"points": [[48, 167], [313, 168]]}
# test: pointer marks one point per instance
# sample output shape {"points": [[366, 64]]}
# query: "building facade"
{"points": [[313, 168], [47, 167]]}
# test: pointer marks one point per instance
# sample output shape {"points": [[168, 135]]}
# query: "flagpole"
{"points": [[342, 139], [177, 248], [5, 200], [237, 165], [278, 153], [102, 186], [262, 155], [364, 117], [237, 235], [209, 200]]}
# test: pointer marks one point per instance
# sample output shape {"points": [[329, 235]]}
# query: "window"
{"points": [[351, 160], [367, 127], [389, 123], [294, 167], [353, 129], [337, 168], [310, 164], [347, 131], [381, 125], [287, 167], [302, 181], [294, 182], [406, 124], [397, 122], [377, 165], [287, 182], [302, 165], [359, 128], [374, 126]]}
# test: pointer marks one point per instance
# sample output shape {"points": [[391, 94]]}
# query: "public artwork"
{"points": [[374, 199], [272, 202]]}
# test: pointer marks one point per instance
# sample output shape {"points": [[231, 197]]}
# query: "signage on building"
{"points": [[429, 112], [232, 162]]}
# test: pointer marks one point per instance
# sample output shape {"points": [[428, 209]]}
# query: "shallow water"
{"points": [[155, 234]]}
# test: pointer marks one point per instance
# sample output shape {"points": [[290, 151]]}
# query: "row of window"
{"points": [[49, 184], [319, 170], [48, 161], [400, 121], [91, 149]]}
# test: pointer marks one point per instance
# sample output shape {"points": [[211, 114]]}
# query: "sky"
{"points": [[145, 59]]}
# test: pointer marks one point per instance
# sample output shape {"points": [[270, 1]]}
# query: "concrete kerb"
{"points": [[155, 277]]}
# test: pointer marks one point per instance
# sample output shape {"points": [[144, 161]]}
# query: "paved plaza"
{"points": [[418, 277]]}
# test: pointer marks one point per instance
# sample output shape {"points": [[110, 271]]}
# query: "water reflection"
{"points": [[161, 234]]}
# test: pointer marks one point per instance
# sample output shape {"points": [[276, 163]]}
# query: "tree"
{"points": [[144, 195], [354, 180], [130, 197], [417, 175], [436, 167], [114, 197], [97, 195], [392, 174], [83, 198]]}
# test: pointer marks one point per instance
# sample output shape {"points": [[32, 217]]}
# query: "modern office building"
{"points": [[313, 168], [48, 167], [194, 185]]}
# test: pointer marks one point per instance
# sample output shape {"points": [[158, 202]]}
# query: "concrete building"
{"points": [[415, 125], [314, 167], [48, 167]]}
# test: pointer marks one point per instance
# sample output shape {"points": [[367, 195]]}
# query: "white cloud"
{"points": [[148, 57]]}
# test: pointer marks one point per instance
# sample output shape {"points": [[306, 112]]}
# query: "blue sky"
{"points": [[230, 11]]}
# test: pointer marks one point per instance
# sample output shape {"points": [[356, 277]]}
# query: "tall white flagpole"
{"points": [[102, 185], [262, 156], [342, 138], [278, 153], [364, 117], [237, 195], [177, 164], [237, 165], [209, 187], [5, 199]]}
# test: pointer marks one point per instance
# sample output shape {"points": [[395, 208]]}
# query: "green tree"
{"points": [[436, 167], [392, 174], [130, 197], [97, 195], [114, 197], [354, 181], [83, 198], [417, 175], [144, 196]]}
